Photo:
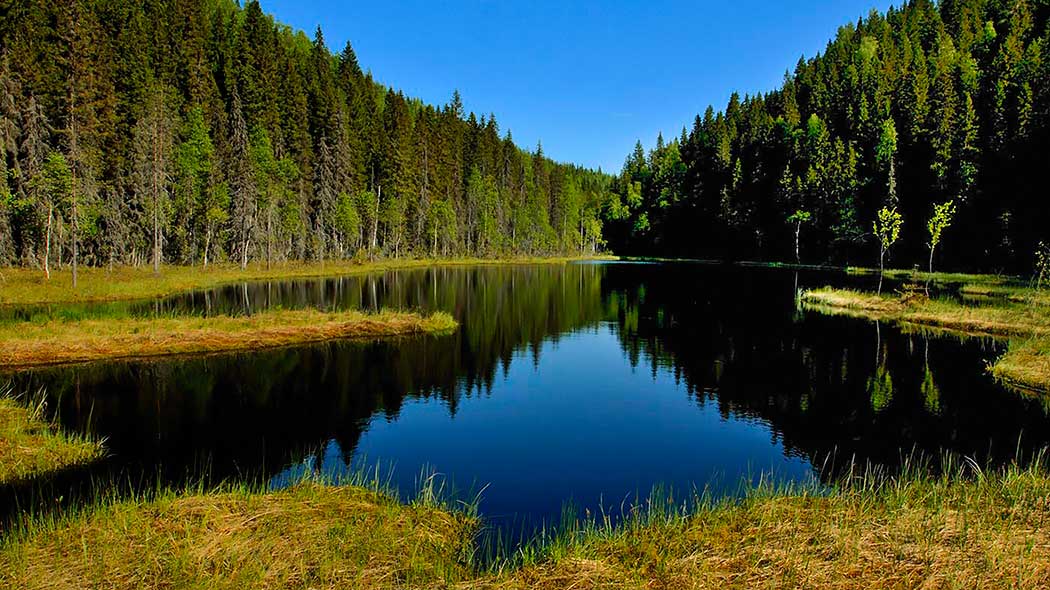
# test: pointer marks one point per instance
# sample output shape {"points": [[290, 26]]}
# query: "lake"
{"points": [[588, 383]]}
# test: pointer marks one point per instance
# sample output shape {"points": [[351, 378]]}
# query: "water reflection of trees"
{"points": [[242, 414], [826, 386], [732, 338]]}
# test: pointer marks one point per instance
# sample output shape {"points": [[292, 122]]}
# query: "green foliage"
{"points": [[347, 220], [263, 139], [888, 227], [799, 217], [1042, 264], [943, 214], [57, 181], [886, 149], [915, 106]]}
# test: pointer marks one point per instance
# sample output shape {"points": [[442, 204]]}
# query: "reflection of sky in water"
{"points": [[583, 426]]}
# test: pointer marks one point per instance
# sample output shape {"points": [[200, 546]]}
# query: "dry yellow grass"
{"points": [[30, 344], [915, 531], [28, 286], [32, 446], [310, 536], [919, 535]]}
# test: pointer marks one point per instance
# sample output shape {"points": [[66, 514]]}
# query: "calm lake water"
{"points": [[583, 383]]}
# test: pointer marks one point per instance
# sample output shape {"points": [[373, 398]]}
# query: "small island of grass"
{"points": [[1017, 314], [29, 344]]}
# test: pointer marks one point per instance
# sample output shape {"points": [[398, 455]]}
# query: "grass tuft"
{"points": [[32, 445]]}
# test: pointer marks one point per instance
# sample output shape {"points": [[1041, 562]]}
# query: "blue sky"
{"points": [[587, 78]]}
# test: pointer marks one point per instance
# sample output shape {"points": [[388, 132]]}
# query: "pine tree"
{"points": [[243, 188], [154, 141]]}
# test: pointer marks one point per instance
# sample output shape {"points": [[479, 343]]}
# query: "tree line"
{"points": [[923, 105], [192, 131]]}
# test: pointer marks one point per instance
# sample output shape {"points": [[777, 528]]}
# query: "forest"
{"points": [[189, 131], [927, 104]]}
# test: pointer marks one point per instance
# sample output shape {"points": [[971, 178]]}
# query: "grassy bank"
{"points": [[29, 344], [27, 286], [31, 445], [1027, 325], [309, 536], [962, 530]]}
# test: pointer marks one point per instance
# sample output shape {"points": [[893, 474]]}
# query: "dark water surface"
{"points": [[588, 383]]}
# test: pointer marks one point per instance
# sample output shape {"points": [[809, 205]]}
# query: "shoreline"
{"points": [[1026, 364], [963, 528], [24, 286], [29, 345]]}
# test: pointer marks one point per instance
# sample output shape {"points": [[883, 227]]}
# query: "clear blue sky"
{"points": [[587, 78]]}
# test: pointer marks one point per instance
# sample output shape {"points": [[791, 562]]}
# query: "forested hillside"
{"points": [[193, 130], [928, 103]]}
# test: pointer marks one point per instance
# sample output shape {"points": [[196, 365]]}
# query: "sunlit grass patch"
{"points": [[31, 445], [308, 536], [58, 342], [1026, 364]]}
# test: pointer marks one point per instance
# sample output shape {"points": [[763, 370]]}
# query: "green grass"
{"points": [[963, 528], [940, 278], [1026, 365], [59, 342], [31, 445], [29, 286]]}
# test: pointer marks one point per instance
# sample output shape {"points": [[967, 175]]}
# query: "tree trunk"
{"points": [[74, 238], [882, 257], [798, 235], [47, 245], [156, 235], [244, 252], [375, 223], [207, 245], [156, 203], [269, 235], [929, 277]]}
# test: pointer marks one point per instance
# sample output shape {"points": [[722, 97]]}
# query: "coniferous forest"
{"points": [[183, 131], [928, 103]]}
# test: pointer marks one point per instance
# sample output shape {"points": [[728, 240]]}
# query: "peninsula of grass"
{"points": [[1026, 364], [31, 445], [962, 529], [31, 344], [30, 286]]}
